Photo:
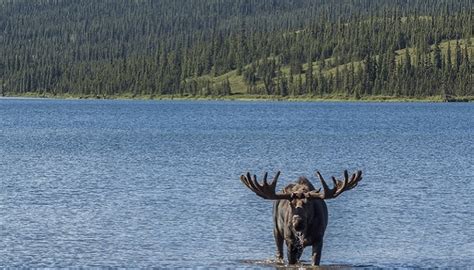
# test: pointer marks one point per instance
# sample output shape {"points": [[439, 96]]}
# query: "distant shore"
{"points": [[244, 97]]}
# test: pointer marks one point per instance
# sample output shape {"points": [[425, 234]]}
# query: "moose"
{"points": [[300, 214]]}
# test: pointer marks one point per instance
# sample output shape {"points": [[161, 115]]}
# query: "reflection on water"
{"points": [[156, 184], [272, 264]]}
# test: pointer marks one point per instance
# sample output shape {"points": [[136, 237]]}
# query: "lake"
{"points": [[101, 183]]}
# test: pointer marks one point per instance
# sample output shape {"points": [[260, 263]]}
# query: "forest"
{"points": [[321, 49]]}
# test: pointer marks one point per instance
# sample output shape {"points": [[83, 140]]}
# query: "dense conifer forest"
{"points": [[249, 48]]}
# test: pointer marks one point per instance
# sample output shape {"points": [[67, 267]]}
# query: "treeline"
{"points": [[288, 48], [412, 73]]}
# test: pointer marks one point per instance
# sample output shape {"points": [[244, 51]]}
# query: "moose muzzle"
{"points": [[298, 223]]}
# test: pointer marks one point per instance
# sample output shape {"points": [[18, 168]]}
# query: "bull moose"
{"points": [[300, 214]]}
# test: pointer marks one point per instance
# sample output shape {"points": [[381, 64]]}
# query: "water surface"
{"points": [[156, 184]]}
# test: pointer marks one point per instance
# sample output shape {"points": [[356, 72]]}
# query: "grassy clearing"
{"points": [[400, 54]]}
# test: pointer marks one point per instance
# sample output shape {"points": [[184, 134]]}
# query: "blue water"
{"points": [[156, 183]]}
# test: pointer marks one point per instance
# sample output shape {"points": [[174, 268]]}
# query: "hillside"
{"points": [[239, 86], [297, 48]]}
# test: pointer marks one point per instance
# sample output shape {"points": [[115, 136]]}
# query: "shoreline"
{"points": [[241, 97]]}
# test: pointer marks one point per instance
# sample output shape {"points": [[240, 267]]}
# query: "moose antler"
{"points": [[266, 191], [339, 186]]}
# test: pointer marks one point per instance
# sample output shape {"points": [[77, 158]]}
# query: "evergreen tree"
{"points": [[458, 56], [438, 60], [309, 82]]}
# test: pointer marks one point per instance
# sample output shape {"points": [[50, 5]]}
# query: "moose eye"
{"points": [[293, 203], [293, 197]]}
